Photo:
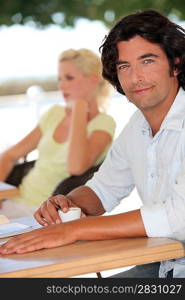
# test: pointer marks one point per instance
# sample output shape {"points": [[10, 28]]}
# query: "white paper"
{"points": [[11, 229], [6, 186]]}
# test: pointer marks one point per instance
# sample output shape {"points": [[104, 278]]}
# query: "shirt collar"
{"points": [[175, 118]]}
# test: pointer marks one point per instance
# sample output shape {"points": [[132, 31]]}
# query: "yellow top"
{"points": [[51, 165]]}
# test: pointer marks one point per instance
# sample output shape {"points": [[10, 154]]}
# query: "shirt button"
{"points": [[152, 175]]}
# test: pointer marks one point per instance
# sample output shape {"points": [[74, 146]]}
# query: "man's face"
{"points": [[144, 74]]}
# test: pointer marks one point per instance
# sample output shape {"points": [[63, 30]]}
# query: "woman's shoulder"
{"points": [[105, 118], [103, 122], [55, 109]]}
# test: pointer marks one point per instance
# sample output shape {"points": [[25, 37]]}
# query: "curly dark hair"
{"points": [[153, 27]]}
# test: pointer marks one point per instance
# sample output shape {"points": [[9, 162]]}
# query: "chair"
{"points": [[64, 187], [19, 171], [70, 183]]}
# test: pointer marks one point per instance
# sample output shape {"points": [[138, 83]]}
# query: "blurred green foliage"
{"points": [[66, 12]]}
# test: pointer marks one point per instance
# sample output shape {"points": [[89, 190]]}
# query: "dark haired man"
{"points": [[144, 58]]}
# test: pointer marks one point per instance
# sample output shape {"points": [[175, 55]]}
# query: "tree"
{"points": [[66, 12]]}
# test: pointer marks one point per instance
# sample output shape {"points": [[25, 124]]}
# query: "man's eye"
{"points": [[123, 67], [148, 61]]}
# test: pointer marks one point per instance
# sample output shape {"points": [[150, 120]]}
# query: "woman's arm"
{"points": [[84, 149], [11, 155]]}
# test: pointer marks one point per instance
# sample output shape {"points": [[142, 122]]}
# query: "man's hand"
{"points": [[42, 238], [47, 214]]}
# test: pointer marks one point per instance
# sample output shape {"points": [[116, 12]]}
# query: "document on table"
{"points": [[11, 229], [6, 186], [8, 228]]}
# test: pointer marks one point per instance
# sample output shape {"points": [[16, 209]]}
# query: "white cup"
{"points": [[73, 213]]}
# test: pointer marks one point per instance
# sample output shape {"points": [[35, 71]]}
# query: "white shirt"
{"points": [[155, 166]]}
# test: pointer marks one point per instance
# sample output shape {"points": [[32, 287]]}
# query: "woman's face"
{"points": [[72, 83]]}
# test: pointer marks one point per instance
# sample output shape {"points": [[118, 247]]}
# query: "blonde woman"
{"points": [[70, 139]]}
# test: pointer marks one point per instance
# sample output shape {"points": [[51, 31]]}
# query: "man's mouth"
{"points": [[142, 90]]}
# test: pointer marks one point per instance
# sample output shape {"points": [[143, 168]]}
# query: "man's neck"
{"points": [[156, 115]]}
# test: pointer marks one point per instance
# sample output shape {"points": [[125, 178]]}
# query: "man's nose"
{"points": [[137, 74]]}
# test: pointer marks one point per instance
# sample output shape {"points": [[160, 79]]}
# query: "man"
{"points": [[143, 56]]}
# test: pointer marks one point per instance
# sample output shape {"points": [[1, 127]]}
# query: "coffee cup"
{"points": [[73, 213]]}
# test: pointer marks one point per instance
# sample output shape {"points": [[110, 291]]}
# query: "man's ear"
{"points": [[176, 70]]}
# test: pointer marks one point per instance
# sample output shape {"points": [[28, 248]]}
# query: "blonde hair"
{"points": [[89, 63]]}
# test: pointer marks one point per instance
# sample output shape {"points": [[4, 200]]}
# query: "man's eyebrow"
{"points": [[120, 62], [147, 55]]}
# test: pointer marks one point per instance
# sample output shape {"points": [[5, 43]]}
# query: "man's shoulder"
{"points": [[134, 124], [136, 120]]}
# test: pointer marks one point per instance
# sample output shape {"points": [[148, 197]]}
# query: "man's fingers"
{"points": [[61, 202], [83, 215], [38, 216], [47, 214], [9, 246]]}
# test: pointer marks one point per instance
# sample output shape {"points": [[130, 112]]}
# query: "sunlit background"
{"points": [[27, 51], [29, 56]]}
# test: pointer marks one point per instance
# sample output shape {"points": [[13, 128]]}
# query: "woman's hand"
{"points": [[71, 104], [42, 238], [47, 214]]}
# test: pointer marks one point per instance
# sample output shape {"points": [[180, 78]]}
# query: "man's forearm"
{"points": [[123, 225], [85, 198]]}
